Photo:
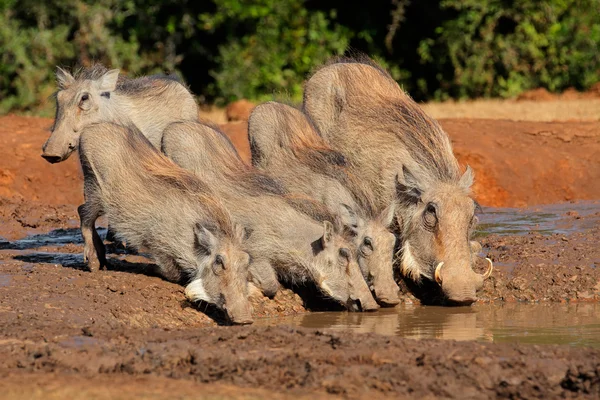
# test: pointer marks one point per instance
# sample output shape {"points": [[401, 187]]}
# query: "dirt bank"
{"points": [[516, 163], [126, 327]]}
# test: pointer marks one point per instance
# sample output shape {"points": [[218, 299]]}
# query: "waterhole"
{"points": [[547, 323]]}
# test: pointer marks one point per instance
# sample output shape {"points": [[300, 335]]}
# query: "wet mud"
{"points": [[131, 327]]}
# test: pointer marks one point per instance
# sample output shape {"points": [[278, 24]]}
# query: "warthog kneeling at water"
{"points": [[284, 144], [283, 241], [153, 204], [405, 156], [97, 94]]}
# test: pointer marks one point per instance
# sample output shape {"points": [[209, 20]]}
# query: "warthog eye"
{"points": [[219, 264], [344, 252], [85, 97], [430, 217], [368, 242]]}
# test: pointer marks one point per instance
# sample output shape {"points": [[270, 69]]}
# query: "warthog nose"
{"points": [[242, 321], [467, 301], [51, 159]]}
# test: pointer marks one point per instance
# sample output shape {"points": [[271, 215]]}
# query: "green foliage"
{"points": [[283, 42], [229, 49], [36, 36], [501, 48]]}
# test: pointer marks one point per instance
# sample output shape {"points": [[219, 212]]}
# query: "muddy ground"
{"points": [[69, 333]]}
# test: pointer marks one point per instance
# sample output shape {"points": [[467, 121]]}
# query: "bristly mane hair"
{"points": [[128, 86], [395, 111], [170, 174], [253, 181]]}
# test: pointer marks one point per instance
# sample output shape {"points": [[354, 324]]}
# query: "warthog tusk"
{"points": [[488, 273], [438, 275]]}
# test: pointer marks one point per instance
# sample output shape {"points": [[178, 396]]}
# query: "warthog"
{"points": [[154, 204], [97, 94], [284, 143], [283, 242], [405, 156]]}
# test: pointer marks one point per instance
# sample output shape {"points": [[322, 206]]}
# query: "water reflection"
{"points": [[572, 324]]}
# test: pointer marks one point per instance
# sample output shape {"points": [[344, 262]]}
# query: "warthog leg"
{"points": [[94, 253], [264, 277]]}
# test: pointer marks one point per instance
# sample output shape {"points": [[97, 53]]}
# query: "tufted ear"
{"points": [[407, 188], [466, 181], [328, 232], [387, 215], [63, 78], [205, 241], [348, 216], [108, 81]]}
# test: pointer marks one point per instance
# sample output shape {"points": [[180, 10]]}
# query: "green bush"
{"points": [[229, 49], [501, 48], [283, 42]]}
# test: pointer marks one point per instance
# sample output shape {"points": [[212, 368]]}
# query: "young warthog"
{"points": [[97, 94], [152, 203], [405, 156], [284, 143], [283, 241]]}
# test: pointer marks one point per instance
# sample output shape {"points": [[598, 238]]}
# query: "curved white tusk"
{"points": [[488, 273], [438, 273]]}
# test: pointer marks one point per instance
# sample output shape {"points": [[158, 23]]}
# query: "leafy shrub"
{"points": [[282, 42], [501, 48]]}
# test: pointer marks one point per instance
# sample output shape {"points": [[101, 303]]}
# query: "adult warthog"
{"points": [[284, 242], [97, 94], [156, 205], [405, 156], [284, 143]]}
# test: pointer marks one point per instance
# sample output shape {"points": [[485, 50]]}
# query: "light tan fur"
{"points": [[285, 144], [405, 156], [96, 94], [284, 242], [153, 204]]}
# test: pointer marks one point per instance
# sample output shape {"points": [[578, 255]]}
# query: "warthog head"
{"points": [[222, 279], [374, 245], [340, 277], [79, 103], [435, 224]]}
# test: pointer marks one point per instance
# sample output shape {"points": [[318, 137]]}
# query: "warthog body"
{"points": [[284, 242], [405, 156], [154, 204], [284, 144], [97, 94]]}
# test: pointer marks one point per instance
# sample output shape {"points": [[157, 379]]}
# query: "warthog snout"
{"points": [[239, 312], [52, 159], [461, 288]]}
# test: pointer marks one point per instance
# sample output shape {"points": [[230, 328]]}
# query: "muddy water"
{"points": [[570, 324], [554, 218], [549, 323]]}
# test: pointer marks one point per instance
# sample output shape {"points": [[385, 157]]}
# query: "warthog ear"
{"points": [[408, 189], [63, 78], [348, 216], [108, 81], [205, 241], [327, 234], [466, 181], [387, 215]]}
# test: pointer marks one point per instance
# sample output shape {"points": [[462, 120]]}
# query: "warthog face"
{"points": [[223, 276], [340, 276], [374, 245], [436, 223], [79, 103]]}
